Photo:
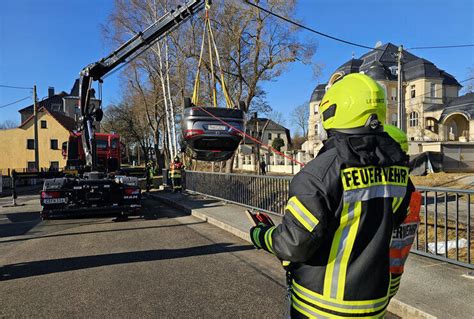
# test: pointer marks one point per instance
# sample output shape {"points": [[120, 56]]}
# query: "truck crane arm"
{"points": [[133, 47]]}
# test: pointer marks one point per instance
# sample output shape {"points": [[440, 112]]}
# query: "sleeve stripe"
{"points": [[398, 203], [256, 238], [268, 239], [302, 214]]}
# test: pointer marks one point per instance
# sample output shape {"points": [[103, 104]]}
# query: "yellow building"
{"points": [[17, 149]]}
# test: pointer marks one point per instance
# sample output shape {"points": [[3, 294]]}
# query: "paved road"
{"points": [[163, 265]]}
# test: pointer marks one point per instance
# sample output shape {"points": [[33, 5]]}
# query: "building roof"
{"points": [[57, 98], [318, 93], [463, 104], [381, 64], [75, 90], [271, 126], [67, 122], [47, 103]]}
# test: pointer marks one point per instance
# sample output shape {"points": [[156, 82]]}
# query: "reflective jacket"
{"points": [[175, 169], [338, 225]]}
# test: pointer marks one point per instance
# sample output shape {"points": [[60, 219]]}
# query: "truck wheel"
{"points": [[122, 217], [187, 102]]}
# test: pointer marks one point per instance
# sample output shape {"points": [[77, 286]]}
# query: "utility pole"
{"points": [[35, 112], [401, 121], [257, 156]]}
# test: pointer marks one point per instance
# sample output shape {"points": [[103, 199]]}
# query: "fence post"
{"points": [[14, 188]]}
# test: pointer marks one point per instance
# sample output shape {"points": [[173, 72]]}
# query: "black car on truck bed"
{"points": [[76, 196]]}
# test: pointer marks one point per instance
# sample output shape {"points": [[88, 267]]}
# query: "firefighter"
{"points": [[149, 176], [343, 206], [404, 235], [176, 168]]}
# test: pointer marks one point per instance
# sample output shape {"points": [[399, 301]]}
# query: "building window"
{"points": [[413, 119], [54, 144], [278, 135], [394, 120], [269, 136], [31, 167], [413, 92], [56, 107], [44, 124], [394, 70], [54, 166], [393, 94], [433, 90], [431, 125], [30, 144]]}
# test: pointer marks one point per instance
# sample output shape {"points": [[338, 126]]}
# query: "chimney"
{"points": [[50, 91]]}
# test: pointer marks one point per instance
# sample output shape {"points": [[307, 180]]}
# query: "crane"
{"points": [[94, 191], [130, 49]]}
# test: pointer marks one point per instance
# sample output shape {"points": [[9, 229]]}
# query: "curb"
{"points": [[396, 307], [404, 310], [237, 232]]}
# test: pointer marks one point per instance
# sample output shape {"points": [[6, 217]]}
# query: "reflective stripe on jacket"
{"points": [[338, 225], [175, 169]]}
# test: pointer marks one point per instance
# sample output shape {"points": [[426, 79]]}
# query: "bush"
{"points": [[278, 143]]}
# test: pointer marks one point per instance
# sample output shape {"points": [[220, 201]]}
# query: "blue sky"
{"points": [[48, 42]]}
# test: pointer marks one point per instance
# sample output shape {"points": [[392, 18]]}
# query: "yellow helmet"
{"points": [[398, 135], [355, 101]]}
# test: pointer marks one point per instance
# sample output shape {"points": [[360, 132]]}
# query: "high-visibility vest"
{"points": [[175, 169], [403, 236], [402, 240]]}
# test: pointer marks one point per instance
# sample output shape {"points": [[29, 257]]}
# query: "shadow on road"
{"points": [[20, 224], [98, 232], [44, 267]]}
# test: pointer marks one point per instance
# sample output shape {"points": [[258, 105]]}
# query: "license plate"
{"points": [[216, 127], [55, 200], [94, 197]]}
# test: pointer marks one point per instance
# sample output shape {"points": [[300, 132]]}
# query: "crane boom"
{"points": [[133, 47]]}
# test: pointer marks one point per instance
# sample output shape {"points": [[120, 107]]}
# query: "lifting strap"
{"points": [[207, 31], [268, 147]]}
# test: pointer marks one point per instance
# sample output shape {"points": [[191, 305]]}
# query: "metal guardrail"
{"points": [[265, 193], [446, 227], [445, 232]]}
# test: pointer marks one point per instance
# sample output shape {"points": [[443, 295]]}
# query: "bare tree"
{"points": [[277, 117], [300, 117], [154, 77], [8, 124], [254, 47], [126, 119], [469, 87]]}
